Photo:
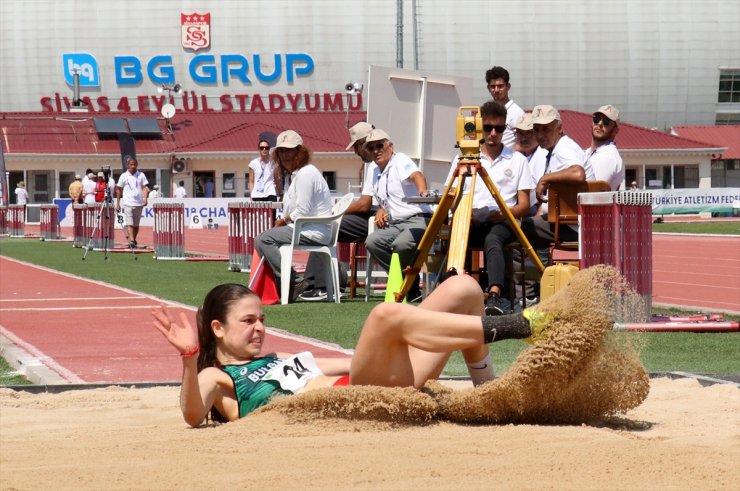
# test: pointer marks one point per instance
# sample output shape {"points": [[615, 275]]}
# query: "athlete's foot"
{"points": [[539, 323]]}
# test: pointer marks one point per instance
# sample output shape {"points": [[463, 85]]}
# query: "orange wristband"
{"points": [[191, 353]]}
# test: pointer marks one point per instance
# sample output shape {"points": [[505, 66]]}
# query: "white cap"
{"points": [[544, 114], [288, 139], [358, 132], [377, 135], [610, 112]]}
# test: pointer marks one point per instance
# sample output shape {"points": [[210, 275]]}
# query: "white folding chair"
{"points": [[327, 252]]}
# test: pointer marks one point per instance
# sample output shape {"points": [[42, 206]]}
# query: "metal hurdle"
{"points": [[3, 220], [16, 220], [616, 229], [169, 230], [50, 222], [78, 227], [246, 221]]}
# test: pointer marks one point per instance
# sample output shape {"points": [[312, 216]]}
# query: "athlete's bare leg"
{"points": [[402, 345]]}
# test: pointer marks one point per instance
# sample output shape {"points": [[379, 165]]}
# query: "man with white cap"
{"points": [[307, 196], [526, 144], [564, 163], [603, 156], [354, 226], [399, 225]]}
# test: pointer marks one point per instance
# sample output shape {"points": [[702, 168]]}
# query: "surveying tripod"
{"points": [[470, 133]]}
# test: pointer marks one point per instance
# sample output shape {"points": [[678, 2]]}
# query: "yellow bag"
{"points": [[555, 278]]}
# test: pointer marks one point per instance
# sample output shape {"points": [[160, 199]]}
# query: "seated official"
{"points": [[398, 225]]}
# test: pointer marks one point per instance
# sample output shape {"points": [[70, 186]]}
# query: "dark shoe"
{"points": [[313, 295], [414, 295], [496, 305], [132, 244], [297, 289]]}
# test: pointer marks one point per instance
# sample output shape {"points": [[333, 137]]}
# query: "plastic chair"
{"points": [[327, 252]]}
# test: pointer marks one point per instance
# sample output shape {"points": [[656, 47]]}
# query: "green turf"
{"points": [[188, 282], [714, 227], [8, 376]]}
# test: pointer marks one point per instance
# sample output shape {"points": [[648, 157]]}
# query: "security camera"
{"points": [[177, 89], [353, 88]]}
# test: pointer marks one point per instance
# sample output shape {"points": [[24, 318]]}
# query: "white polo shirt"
{"points": [[513, 112], [567, 153], [368, 182], [606, 164], [393, 184], [510, 174], [537, 160]]}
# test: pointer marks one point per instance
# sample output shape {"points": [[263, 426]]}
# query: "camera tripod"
{"points": [[462, 205], [105, 214]]}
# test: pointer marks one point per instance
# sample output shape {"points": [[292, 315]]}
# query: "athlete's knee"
{"points": [[384, 318]]}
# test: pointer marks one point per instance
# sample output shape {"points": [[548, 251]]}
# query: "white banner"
{"points": [[683, 201]]}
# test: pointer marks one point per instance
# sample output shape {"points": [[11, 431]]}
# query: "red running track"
{"points": [[86, 331]]}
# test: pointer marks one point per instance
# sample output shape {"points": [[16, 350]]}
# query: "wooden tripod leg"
{"points": [[427, 241]]}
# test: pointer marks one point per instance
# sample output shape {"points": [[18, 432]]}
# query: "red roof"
{"points": [[719, 136], [75, 133], [577, 125]]}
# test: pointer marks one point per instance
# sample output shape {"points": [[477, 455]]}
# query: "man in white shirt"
{"points": [[398, 225], [526, 144], [154, 194], [180, 190], [564, 163], [603, 156], [132, 187], [497, 81], [354, 226]]}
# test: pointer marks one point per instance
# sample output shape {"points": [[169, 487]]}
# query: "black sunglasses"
{"points": [[603, 119], [374, 148], [500, 128], [264, 148]]}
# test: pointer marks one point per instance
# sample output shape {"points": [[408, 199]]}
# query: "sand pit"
{"points": [[683, 436], [575, 411]]}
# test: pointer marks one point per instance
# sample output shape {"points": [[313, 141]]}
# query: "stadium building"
{"points": [[233, 69]]}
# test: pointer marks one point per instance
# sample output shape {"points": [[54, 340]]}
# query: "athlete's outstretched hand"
{"points": [[183, 336]]}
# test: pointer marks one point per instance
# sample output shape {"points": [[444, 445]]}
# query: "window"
{"points": [[331, 180], [729, 86]]}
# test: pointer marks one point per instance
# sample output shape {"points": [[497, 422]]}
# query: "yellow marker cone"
{"points": [[395, 279]]}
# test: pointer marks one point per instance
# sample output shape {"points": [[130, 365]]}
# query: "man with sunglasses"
{"points": [[399, 225], [354, 226], [497, 81], [603, 155], [510, 173]]}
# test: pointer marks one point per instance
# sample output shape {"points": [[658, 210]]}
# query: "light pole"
{"points": [[168, 110]]}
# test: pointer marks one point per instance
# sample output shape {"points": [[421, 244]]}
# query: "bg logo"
{"points": [[84, 64]]}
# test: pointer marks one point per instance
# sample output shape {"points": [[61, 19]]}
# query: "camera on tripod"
{"points": [[105, 169], [469, 132]]}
